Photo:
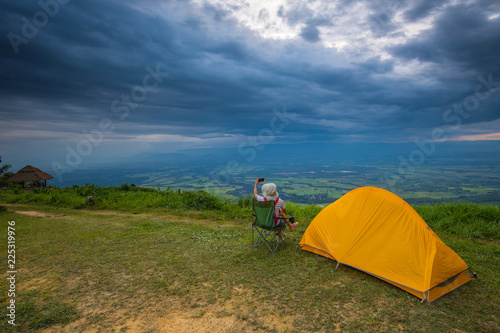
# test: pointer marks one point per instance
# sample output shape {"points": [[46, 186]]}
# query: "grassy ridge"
{"points": [[134, 199], [461, 219]]}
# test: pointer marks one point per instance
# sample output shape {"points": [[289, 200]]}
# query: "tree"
{"points": [[4, 168], [3, 174]]}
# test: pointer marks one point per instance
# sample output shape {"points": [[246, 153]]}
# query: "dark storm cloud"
{"points": [[465, 42], [310, 33], [78, 54], [422, 8], [231, 49], [96, 52], [463, 35]]}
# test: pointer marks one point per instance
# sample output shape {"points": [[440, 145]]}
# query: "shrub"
{"points": [[202, 200]]}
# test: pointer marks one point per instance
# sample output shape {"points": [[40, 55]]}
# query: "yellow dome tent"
{"points": [[375, 231]]}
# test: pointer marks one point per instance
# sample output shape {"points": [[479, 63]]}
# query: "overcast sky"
{"points": [[116, 78]]}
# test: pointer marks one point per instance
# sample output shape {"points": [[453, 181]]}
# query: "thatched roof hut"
{"points": [[29, 174]]}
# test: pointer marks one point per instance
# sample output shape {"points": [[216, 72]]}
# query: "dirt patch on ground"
{"points": [[36, 214], [35, 283], [209, 322], [168, 316]]}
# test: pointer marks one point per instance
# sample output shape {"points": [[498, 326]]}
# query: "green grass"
{"points": [[463, 219], [134, 199], [115, 266]]}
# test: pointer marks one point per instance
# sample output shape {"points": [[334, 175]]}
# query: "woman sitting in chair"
{"points": [[270, 193]]}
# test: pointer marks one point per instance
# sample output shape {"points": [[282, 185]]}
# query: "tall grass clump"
{"points": [[463, 219], [302, 211], [125, 197], [43, 196], [202, 200]]}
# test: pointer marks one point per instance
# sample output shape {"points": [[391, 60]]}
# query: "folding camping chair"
{"points": [[263, 229]]}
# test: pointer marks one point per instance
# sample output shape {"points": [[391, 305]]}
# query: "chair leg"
{"points": [[258, 239], [261, 237], [269, 237]]}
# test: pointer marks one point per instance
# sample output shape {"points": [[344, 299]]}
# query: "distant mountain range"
{"points": [[316, 152]]}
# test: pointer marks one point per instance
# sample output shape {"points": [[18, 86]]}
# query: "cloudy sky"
{"points": [[106, 79]]}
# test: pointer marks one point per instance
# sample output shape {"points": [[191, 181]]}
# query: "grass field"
{"points": [[107, 268]]}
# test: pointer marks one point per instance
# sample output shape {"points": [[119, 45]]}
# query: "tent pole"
{"points": [[424, 298]]}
